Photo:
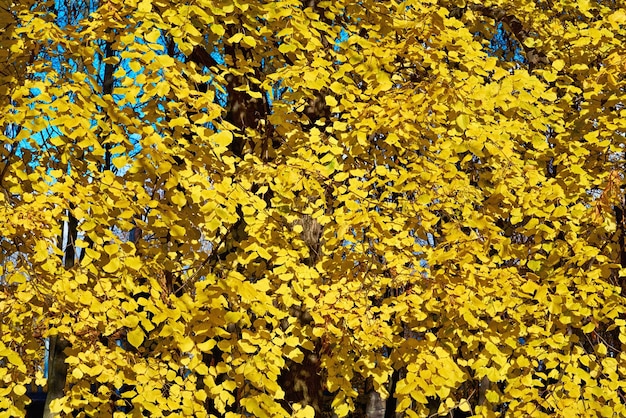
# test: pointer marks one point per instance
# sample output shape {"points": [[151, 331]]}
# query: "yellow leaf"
{"points": [[130, 321], [56, 406], [252, 406], [588, 328], [135, 66], [120, 162], [179, 199], [218, 29], [306, 412], [145, 6], [77, 373], [549, 95], [490, 64], [206, 346], [558, 64], [559, 211], [530, 42], [262, 252], [133, 262], [337, 88], [112, 266], [40, 380], [549, 76], [136, 337], [534, 265], [177, 231], [222, 138], [110, 249], [246, 347], [392, 139], [248, 41], [331, 101], [186, 344], [153, 36], [462, 121], [465, 406], [235, 38], [286, 48], [57, 141], [20, 390]]}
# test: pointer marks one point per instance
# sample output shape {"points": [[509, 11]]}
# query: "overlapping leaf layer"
{"points": [[277, 208]]}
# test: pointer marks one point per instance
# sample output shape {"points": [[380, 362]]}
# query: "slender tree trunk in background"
{"points": [[390, 404], [107, 88], [57, 368], [482, 390], [304, 382], [612, 338], [621, 240], [376, 406], [57, 372]]}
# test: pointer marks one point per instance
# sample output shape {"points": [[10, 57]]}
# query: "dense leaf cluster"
{"points": [[298, 208]]}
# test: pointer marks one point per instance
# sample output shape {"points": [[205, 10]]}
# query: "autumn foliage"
{"points": [[305, 208]]}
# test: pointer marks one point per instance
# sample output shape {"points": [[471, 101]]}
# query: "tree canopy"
{"points": [[299, 208]]}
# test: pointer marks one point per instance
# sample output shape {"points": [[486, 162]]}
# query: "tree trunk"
{"points": [[376, 405], [57, 368], [57, 372]]}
